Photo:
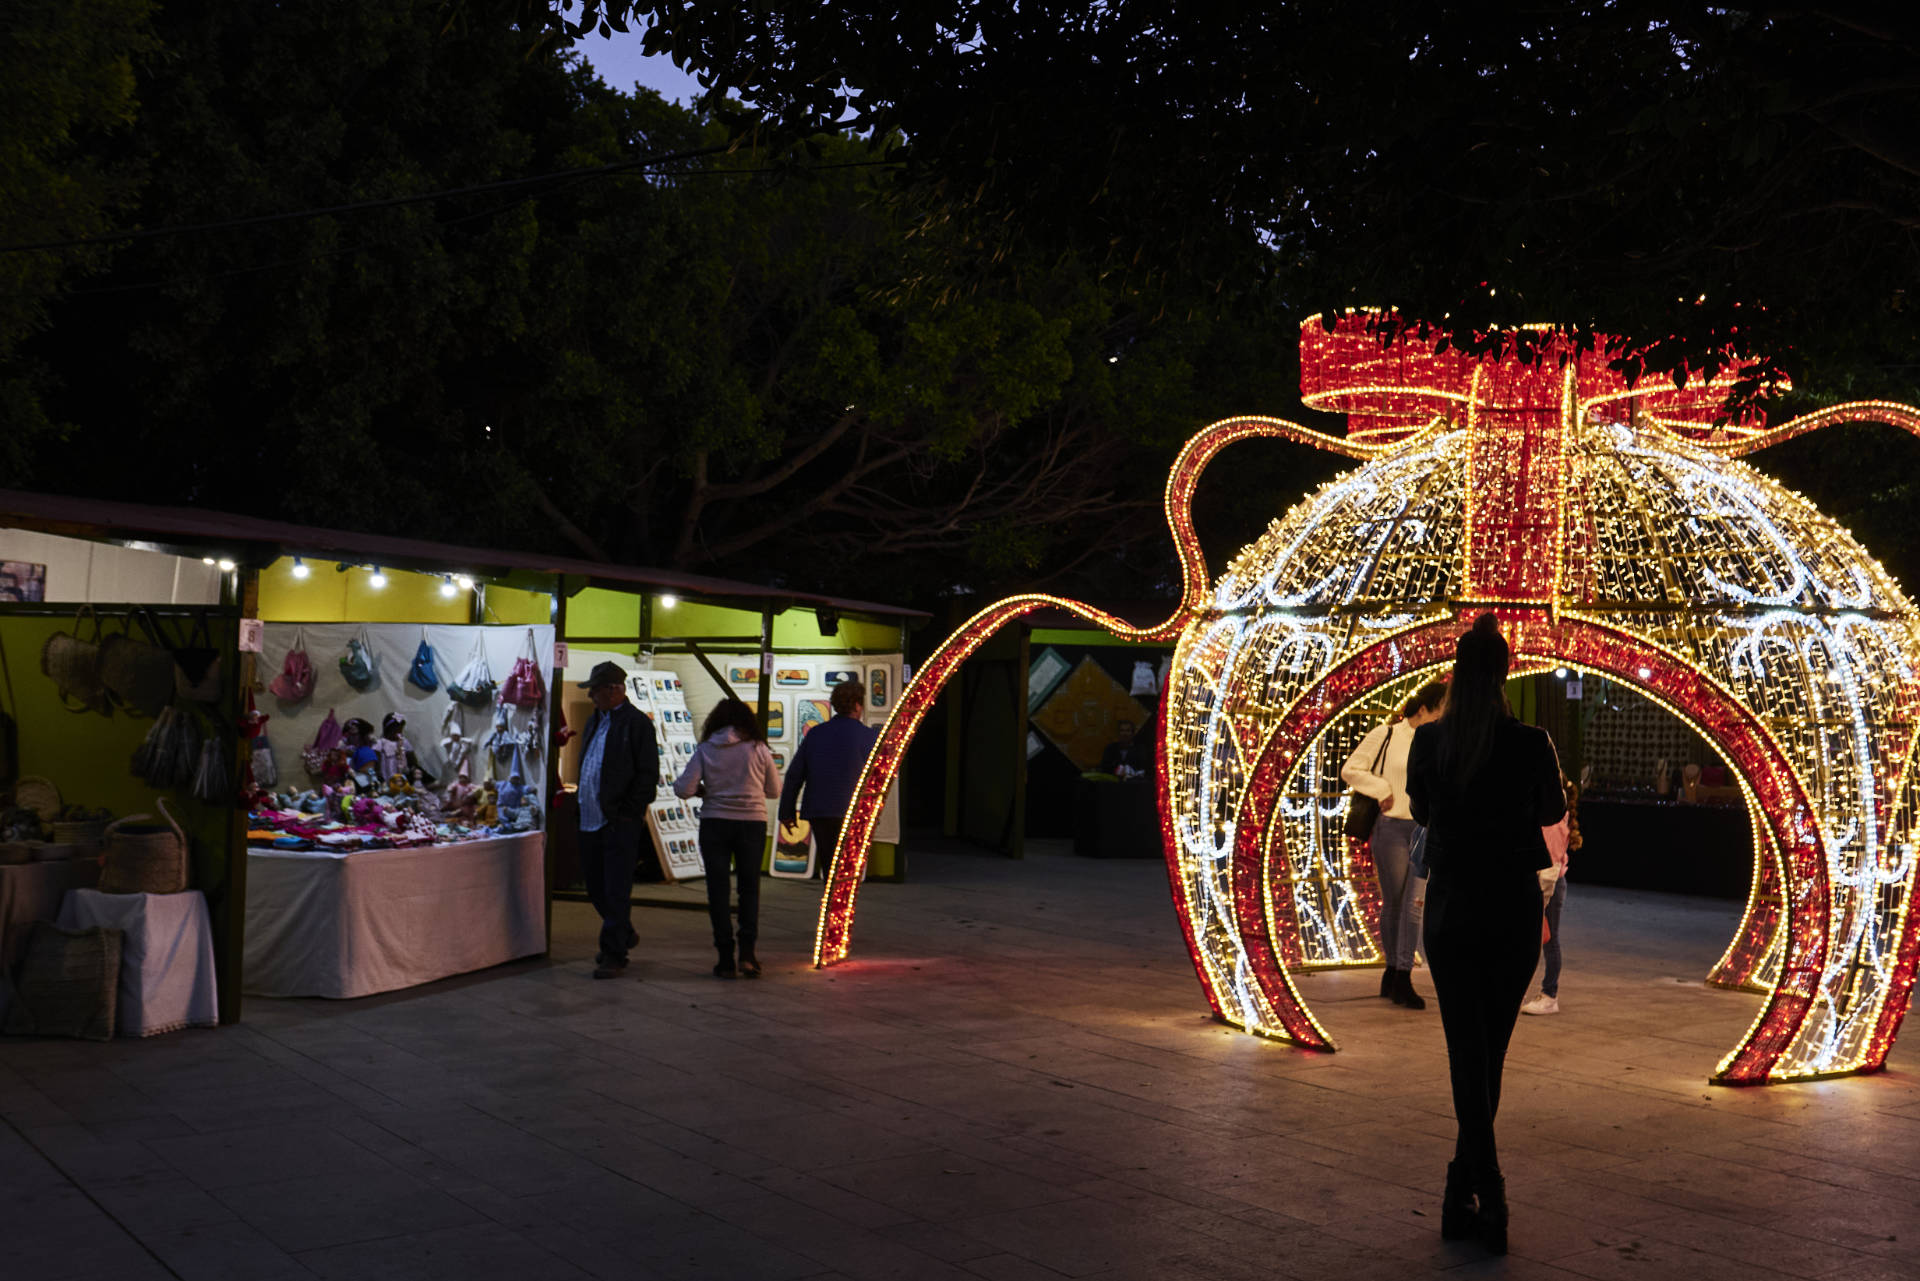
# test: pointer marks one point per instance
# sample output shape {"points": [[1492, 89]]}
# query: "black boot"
{"points": [[1403, 991], [1389, 982], [1491, 1192], [725, 969], [1457, 1219]]}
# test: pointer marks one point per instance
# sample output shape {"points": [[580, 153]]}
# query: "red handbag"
{"points": [[524, 686]]}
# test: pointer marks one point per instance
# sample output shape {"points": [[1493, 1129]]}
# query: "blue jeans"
{"points": [[742, 843], [1550, 984], [1399, 916]]}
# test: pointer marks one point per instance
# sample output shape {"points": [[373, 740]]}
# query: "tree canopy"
{"points": [[690, 351], [1702, 179]]}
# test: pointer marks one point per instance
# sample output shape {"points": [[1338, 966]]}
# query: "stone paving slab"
{"points": [[1014, 1078]]}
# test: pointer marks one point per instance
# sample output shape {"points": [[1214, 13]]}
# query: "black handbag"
{"points": [[1362, 810]]}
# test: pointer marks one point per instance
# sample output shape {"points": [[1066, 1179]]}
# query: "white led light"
{"points": [[377, 580], [669, 600], [299, 569], [226, 566]]}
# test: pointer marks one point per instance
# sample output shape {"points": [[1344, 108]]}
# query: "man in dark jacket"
{"points": [[619, 774], [825, 770]]}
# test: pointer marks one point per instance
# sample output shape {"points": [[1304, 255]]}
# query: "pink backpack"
{"points": [[314, 755], [295, 680], [523, 687]]}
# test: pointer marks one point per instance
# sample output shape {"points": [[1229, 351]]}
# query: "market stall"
{"points": [[402, 841]]}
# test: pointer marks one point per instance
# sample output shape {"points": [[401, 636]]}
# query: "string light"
{"points": [[1611, 531]]}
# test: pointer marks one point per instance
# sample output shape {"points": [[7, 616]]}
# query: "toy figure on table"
{"points": [[396, 753]]}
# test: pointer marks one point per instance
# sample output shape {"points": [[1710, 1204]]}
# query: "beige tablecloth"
{"points": [[166, 960], [378, 920]]}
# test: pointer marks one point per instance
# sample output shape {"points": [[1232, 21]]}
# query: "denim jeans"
{"points": [[743, 844], [607, 860], [1399, 910], [1550, 984]]}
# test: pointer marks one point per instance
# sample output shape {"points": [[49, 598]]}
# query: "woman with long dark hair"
{"points": [[732, 771], [1484, 785]]}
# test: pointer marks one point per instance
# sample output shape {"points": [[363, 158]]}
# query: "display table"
{"points": [[1112, 819], [344, 925], [32, 892], [166, 959]]}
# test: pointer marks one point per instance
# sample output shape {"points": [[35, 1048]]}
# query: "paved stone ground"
{"points": [[1015, 1080]]}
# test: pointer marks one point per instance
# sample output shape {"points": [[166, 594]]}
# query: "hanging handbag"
{"points": [[356, 665], [1362, 810], [295, 680], [474, 685], [524, 687], [196, 666], [9, 727], [423, 672], [314, 755], [138, 673], [73, 665]]}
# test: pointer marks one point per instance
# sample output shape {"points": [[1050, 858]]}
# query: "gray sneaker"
{"points": [[1542, 1004]]}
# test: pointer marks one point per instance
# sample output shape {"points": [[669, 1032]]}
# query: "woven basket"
{"points": [[148, 859], [68, 985], [39, 795], [89, 835]]}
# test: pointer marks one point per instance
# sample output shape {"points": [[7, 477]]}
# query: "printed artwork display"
{"points": [[876, 687], [1048, 669], [22, 583], [1083, 714], [737, 675], [776, 716], [793, 851], [810, 712], [838, 676], [793, 677]]}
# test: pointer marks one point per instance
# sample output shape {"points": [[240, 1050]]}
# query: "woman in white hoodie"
{"points": [[1378, 768], [732, 771]]}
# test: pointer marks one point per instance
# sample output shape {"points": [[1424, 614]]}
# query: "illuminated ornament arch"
{"points": [[1610, 529]]}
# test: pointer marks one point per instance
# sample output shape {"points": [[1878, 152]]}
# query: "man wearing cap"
{"points": [[619, 774]]}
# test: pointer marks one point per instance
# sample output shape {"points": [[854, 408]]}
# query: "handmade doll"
{"points": [[455, 745], [396, 753], [398, 786], [487, 813]]}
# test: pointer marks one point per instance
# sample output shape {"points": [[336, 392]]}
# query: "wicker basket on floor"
{"points": [[68, 984], [148, 859]]}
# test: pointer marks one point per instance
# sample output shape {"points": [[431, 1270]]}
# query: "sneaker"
{"points": [[1542, 1004], [606, 972]]}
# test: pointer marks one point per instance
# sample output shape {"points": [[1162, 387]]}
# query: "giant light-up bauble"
{"points": [[1610, 529]]}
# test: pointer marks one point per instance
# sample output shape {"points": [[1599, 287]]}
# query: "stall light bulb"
{"points": [[447, 588], [226, 566], [300, 569], [378, 580], [669, 601], [465, 583], [206, 560]]}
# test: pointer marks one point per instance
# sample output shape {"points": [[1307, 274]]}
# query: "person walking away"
{"points": [[733, 771], [1484, 785], [1378, 768], [619, 777], [1561, 840], [821, 778]]}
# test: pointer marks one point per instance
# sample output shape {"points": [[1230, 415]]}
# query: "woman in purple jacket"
{"points": [[732, 771]]}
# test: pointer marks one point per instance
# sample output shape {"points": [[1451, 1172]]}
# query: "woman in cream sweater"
{"points": [[1393, 835]]}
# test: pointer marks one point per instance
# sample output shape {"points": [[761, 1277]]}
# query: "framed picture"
{"points": [[792, 852], [776, 716], [792, 677], [22, 582], [810, 712], [877, 691], [838, 676], [1048, 669], [780, 760], [738, 675]]}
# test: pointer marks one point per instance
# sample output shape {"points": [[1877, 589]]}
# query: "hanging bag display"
{"points": [[1362, 810], [137, 670], [295, 680], [325, 739], [474, 685], [424, 672], [356, 665], [524, 687], [210, 781], [197, 667], [73, 664]]}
